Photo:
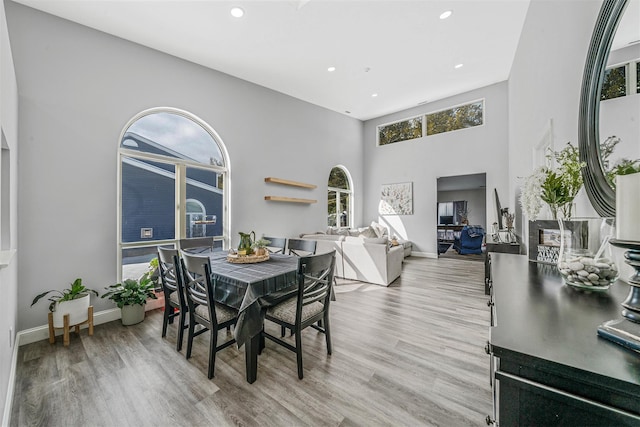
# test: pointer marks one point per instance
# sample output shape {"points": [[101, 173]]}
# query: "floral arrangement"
{"points": [[558, 188]]}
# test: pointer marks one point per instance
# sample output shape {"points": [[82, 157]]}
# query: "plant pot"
{"points": [[132, 314], [261, 251], [78, 310]]}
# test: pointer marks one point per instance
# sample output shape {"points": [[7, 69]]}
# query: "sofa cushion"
{"points": [[377, 240]]}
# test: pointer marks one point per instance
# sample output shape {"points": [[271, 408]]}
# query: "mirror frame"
{"points": [[600, 192]]}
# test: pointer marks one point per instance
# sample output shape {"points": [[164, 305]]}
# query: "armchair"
{"points": [[470, 240]]}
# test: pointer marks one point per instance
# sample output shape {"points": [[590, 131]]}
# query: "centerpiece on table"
{"points": [[246, 253]]}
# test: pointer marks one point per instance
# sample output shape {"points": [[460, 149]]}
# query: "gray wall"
{"points": [[544, 87], [9, 236], [476, 204], [78, 89], [481, 149]]}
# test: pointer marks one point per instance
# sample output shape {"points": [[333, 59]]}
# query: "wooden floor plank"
{"points": [[408, 354]]}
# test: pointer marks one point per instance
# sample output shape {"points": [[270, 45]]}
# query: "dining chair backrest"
{"points": [[302, 247], [197, 281], [170, 274], [197, 245], [276, 244], [175, 301], [315, 278]]}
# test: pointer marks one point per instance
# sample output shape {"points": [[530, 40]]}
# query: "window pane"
{"points": [[175, 136], [400, 131], [345, 221], [331, 202], [338, 179], [464, 116], [204, 204], [148, 200], [615, 83], [135, 261]]}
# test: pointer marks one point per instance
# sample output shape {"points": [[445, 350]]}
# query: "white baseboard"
{"points": [[424, 254], [39, 333], [8, 403]]}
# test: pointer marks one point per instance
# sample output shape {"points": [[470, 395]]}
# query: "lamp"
{"points": [[626, 331]]}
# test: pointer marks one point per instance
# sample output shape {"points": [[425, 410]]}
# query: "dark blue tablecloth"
{"points": [[250, 288]]}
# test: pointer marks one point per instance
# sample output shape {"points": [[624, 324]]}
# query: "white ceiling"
{"points": [[397, 49]]}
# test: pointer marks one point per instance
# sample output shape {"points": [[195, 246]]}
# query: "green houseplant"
{"points": [[130, 296], [74, 301], [260, 246]]}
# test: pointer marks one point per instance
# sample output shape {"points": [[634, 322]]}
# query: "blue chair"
{"points": [[470, 240]]}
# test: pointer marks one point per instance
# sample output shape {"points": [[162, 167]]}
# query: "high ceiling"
{"points": [[399, 50]]}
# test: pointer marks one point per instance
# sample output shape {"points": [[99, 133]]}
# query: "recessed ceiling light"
{"points": [[331, 69], [445, 14], [237, 12], [458, 66], [373, 95]]}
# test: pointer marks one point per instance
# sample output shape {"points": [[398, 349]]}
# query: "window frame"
{"points": [[338, 192], [475, 101], [406, 119], [180, 166]]}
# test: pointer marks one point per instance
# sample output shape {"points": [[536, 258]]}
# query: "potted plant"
{"points": [[73, 301], [260, 246], [130, 296]]}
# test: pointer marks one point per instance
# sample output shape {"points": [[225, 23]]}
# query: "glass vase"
{"points": [[585, 260]]}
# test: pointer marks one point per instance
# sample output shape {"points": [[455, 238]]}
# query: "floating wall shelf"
{"points": [[288, 182], [289, 199]]}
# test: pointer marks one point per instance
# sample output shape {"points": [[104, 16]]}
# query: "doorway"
{"points": [[462, 200]]}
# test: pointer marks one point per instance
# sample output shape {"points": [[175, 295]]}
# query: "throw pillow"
{"points": [[368, 232], [379, 229]]}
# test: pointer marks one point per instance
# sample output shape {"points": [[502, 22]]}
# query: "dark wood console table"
{"points": [[548, 365], [505, 248]]}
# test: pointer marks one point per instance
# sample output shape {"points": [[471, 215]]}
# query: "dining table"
{"points": [[251, 288]]}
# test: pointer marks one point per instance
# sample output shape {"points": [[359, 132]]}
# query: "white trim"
{"points": [[11, 384], [40, 333]]}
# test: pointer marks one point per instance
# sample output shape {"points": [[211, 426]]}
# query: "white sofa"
{"points": [[362, 258]]}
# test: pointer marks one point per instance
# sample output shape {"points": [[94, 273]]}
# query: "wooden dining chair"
{"points": [[203, 310], [197, 245], [310, 305], [302, 247], [277, 245], [175, 302]]}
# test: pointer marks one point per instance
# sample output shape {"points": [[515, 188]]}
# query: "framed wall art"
{"points": [[396, 199]]}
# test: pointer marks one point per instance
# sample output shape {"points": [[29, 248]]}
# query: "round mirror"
{"points": [[612, 59]]}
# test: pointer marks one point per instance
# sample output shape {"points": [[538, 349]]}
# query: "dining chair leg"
{"points": [[299, 351], [213, 344], [190, 336], [165, 321], [283, 331], [180, 331], [327, 332]]}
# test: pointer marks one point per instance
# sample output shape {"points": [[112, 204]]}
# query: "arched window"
{"points": [[172, 175], [339, 198]]}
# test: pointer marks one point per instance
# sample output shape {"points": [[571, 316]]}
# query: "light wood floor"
{"points": [[411, 354]]}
